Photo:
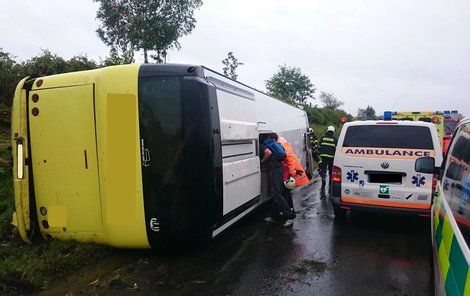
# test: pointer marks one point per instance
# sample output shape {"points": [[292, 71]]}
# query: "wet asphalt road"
{"points": [[366, 254]]}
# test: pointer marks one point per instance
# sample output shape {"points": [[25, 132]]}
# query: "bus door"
{"points": [[64, 159], [239, 133]]}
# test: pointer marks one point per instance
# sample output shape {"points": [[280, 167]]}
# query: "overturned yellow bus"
{"points": [[137, 156]]}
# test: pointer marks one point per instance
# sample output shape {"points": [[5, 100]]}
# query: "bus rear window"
{"points": [[425, 119], [388, 136]]}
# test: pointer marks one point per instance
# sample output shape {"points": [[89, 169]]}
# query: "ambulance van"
{"points": [[450, 223], [386, 166]]}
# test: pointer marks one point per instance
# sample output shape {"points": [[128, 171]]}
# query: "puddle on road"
{"points": [[308, 266]]}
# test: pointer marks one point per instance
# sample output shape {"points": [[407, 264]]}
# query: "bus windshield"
{"points": [[389, 136]]}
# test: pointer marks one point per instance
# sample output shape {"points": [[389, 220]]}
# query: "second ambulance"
{"points": [[383, 166]]}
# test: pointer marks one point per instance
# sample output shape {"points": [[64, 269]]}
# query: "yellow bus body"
{"points": [[141, 156], [416, 116], [97, 193]]}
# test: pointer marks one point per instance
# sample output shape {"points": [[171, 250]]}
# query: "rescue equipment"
{"points": [[290, 183]]}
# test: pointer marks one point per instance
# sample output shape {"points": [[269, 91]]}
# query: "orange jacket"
{"points": [[295, 167]]}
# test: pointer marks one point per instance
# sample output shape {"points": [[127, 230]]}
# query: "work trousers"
{"points": [[288, 197], [280, 209], [326, 165]]}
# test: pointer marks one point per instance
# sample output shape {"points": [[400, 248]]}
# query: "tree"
{"points": [[231, 64], [325, 116], [366, 114], [330, 101], [10, 74], [46, 63], [290, 85], [80, 63], [118, 58], [148, 25]]}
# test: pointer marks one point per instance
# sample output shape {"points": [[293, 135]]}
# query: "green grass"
{"points": [[6, 190], [25, 268]]}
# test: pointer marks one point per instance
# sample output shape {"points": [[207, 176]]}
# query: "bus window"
{"points": [[406, 119], [425, 119]]}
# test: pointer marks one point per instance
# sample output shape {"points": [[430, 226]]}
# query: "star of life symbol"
{"points": [[352, 176], [418, 180]]}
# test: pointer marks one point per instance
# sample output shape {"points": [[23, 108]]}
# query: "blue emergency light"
{"points": [[388, 115]]}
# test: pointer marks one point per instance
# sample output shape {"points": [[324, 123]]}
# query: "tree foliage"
{"points": [[46, 63], [148, 25], [231, 64], [367, 113], [117, 57], [10, 74], [330, 101], [290, 85], [325, 116]]}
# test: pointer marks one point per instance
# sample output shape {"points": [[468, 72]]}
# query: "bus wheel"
{"points": [[339, 213]]}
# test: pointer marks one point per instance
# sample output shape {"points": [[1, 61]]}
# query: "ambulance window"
{"points": [[425, 119], [389, 136], [457, 190]]}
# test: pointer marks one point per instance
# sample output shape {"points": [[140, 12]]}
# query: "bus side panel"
{"points": [[241, 167]]}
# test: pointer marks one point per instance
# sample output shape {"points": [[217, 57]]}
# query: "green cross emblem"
{"points": [[384, 189]]}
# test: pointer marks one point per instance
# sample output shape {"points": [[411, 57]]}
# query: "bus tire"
{"points": [[339, 213]]}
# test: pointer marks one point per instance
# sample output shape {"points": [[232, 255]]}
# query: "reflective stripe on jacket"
{"points": [[328, 145], [293, 164]]}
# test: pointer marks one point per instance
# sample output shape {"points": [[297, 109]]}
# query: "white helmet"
{"points": [[290, 184], [310, 130], [330, 129]]}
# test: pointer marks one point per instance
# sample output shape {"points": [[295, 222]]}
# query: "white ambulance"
{"points": [[386, 166]]}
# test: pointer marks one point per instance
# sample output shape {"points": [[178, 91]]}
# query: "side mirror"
{"points": [[426, 165]]}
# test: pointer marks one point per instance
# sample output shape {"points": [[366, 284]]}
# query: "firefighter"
{"points": [[314, 145], [327, 153]]}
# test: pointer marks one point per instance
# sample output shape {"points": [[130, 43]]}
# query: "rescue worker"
{"points": [[314, 145], [293, 169], [327, 153], [280, 210]]}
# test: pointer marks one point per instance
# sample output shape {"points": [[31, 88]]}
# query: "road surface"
{"points": [[366, 254]]}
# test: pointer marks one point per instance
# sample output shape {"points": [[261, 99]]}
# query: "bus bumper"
{"points": [[337, 203]]}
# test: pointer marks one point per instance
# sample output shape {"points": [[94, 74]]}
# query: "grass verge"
{"points": [[25, 268]]}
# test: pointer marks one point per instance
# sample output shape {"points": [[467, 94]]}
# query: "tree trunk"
{"points": [[146, 59]]}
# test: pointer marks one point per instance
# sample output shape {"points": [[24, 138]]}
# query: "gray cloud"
{"points": [[393, 55]]}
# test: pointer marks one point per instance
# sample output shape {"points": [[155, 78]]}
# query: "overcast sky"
{"points": [[393, 55]]}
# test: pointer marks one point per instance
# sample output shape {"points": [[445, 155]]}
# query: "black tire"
{"points": [[339, 213]]}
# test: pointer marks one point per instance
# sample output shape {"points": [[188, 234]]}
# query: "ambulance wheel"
{"points": [[339, 213]]}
